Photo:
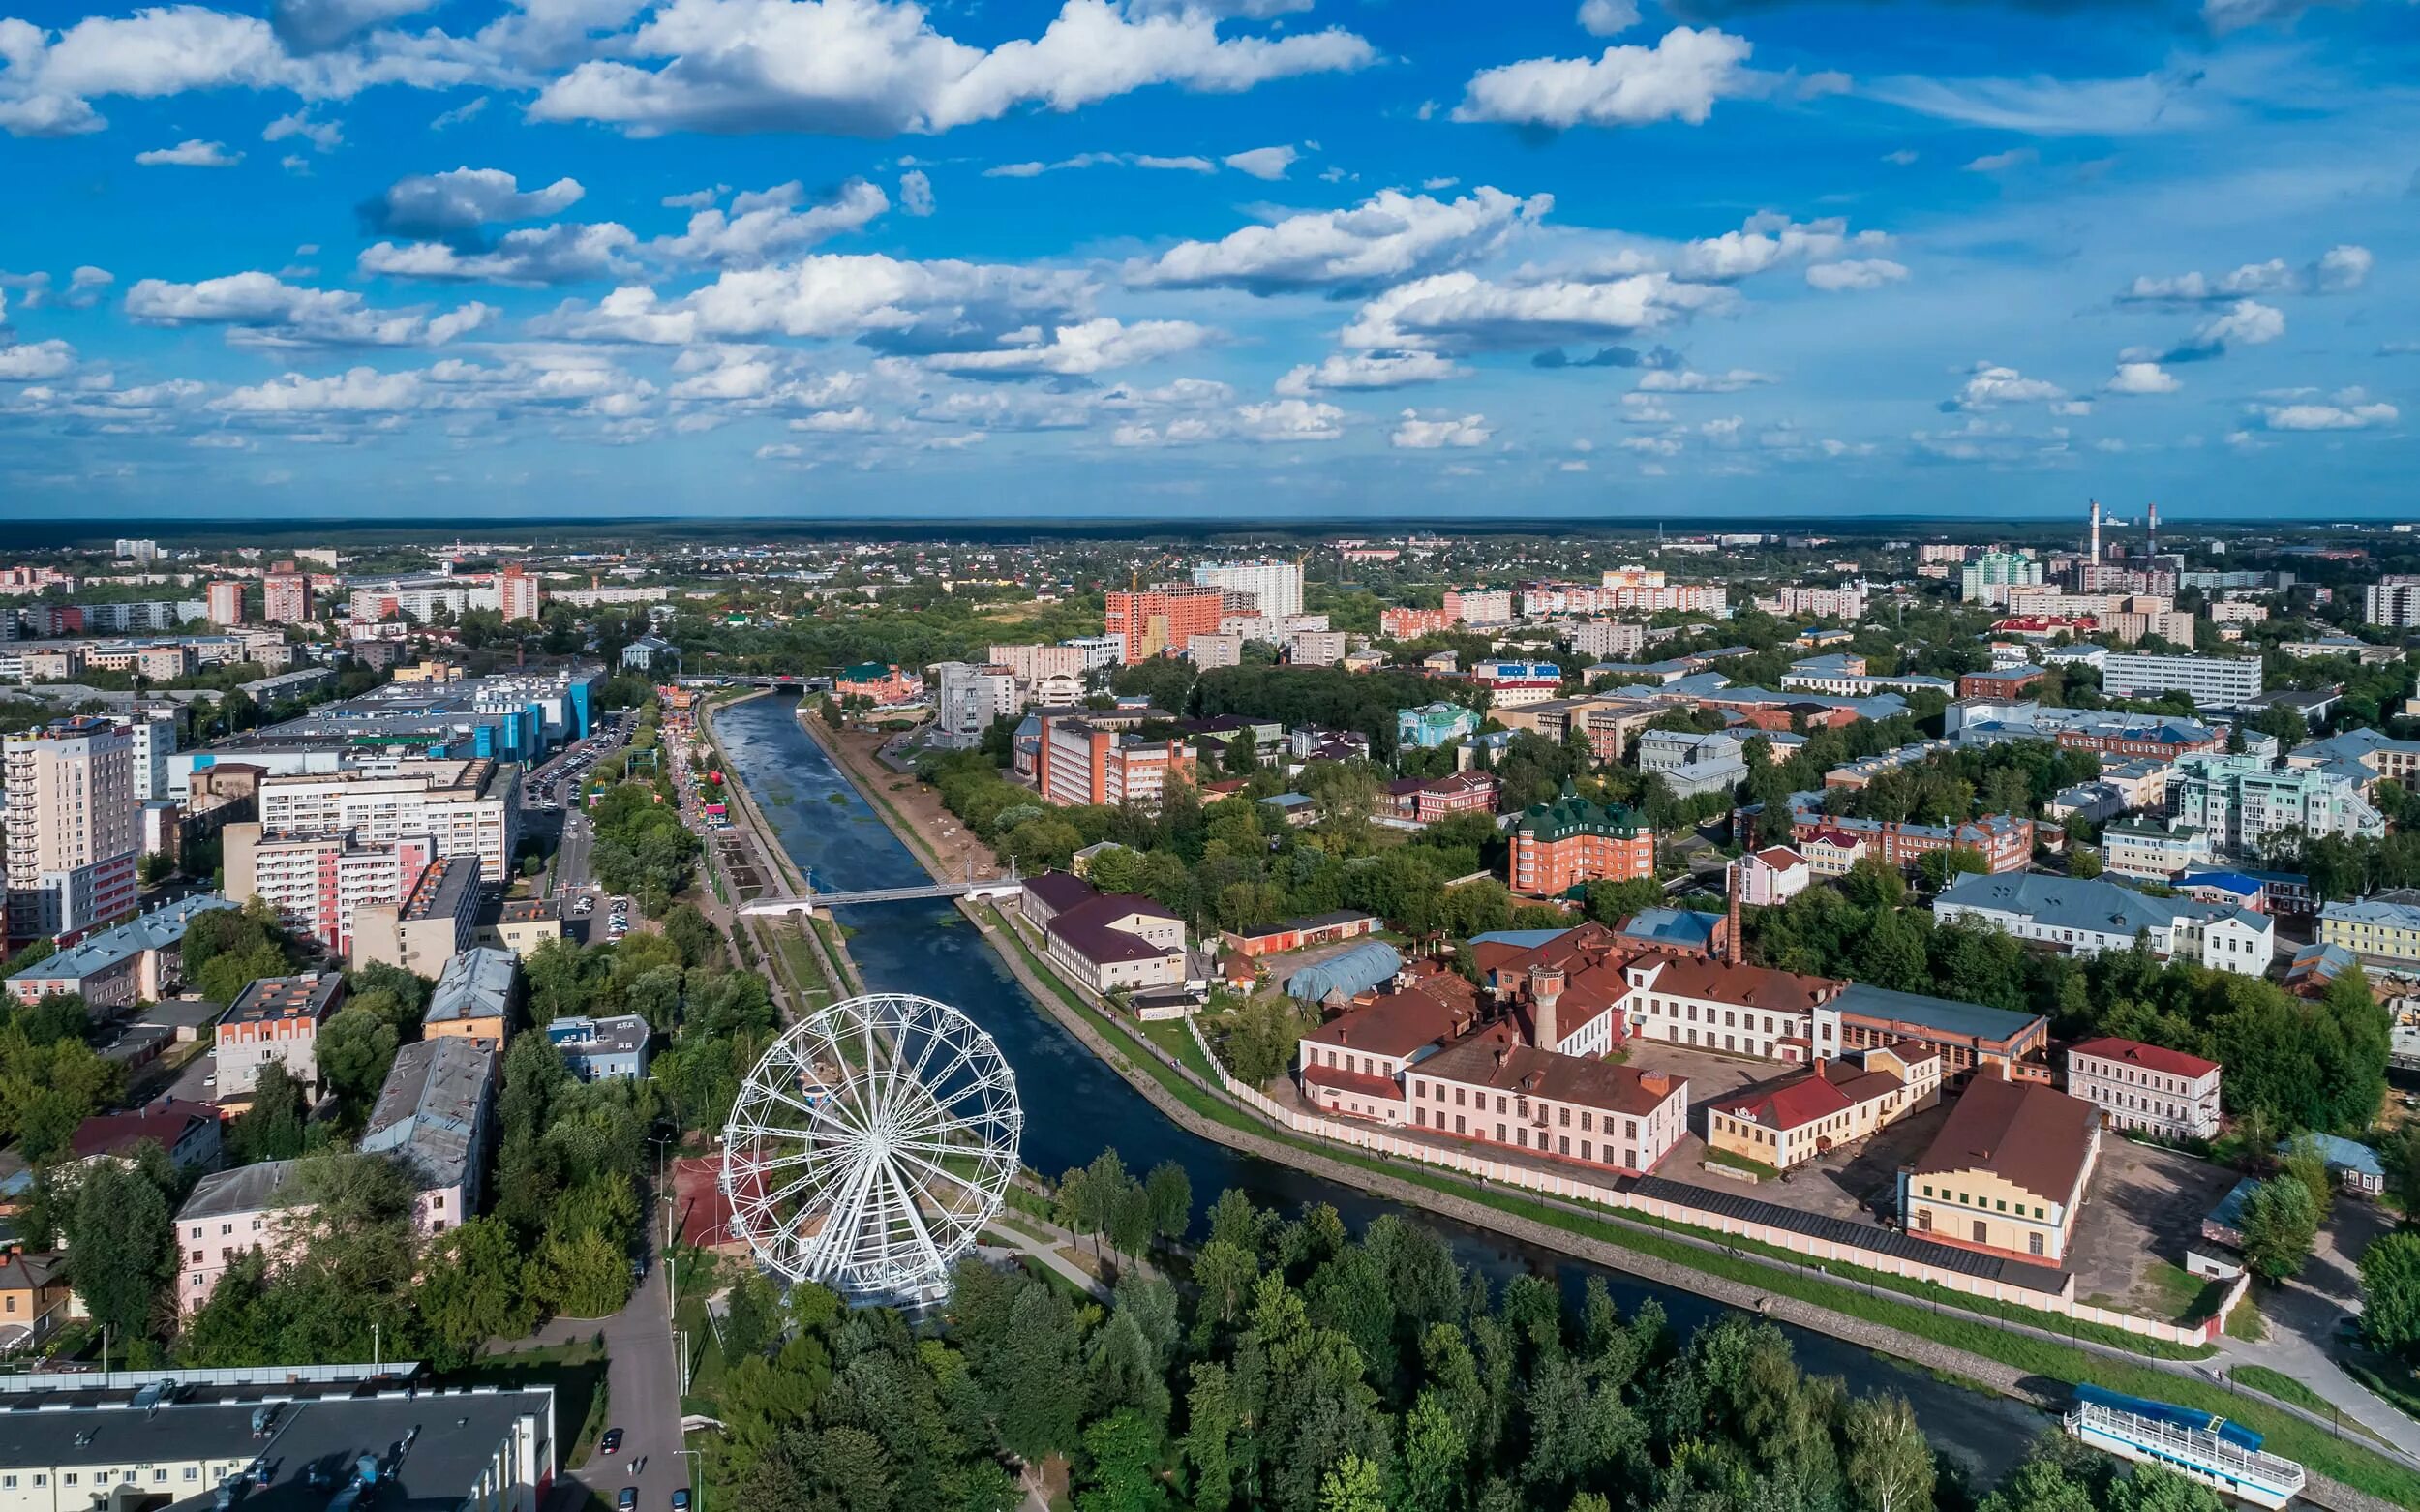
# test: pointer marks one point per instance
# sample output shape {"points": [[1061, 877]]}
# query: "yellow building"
{"points": [[473, 1000], [520, 925], [2006, 1173], [2375, 932], [1835, 1103]]}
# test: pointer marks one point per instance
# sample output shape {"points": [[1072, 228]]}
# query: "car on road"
{"points": [[610, 1444], [680, 1498], [628, 1499]]}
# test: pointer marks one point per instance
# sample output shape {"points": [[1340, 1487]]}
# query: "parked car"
{"points": [[628, 1499], [680, 1498], [610, 1444]]}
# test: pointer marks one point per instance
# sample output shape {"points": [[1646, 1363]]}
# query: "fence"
{"points": [[1809, 1248]]}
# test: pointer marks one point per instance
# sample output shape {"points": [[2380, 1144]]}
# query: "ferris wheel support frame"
{"points": [[838, 1151]]}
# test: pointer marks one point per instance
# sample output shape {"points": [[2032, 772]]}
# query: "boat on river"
{"points": [[2200, 1446]]}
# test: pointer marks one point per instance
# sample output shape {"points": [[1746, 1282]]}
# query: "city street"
{"points": [[644, 1399]]}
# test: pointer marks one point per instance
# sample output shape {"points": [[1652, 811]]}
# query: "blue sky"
{"points": [[1194, 258]]}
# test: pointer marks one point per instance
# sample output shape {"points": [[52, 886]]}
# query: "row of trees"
{"points": [[1313, 1372]]}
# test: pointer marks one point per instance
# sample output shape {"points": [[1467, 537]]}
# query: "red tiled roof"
{"points": [[2150, 1057], [1780, 858], [1354, 1081], [1394, 1024], [1485, 1060], [1748, 987], [1787, 1107], [164, 1122]]}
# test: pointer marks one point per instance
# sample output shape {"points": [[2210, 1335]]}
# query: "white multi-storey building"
{"points": [[2393, 602], [1988, 578], [319, 882], [2242, 801], [2089, 917], [2209, 681], [1822, 603], [73, 829], [1031, 664], [1608, 638], [1276, 587], [971, 697], [154, 739], [465, 807], [2166, 1093]]}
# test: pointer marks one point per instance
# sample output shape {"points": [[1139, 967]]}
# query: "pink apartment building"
{"points": [[231, 1214]]}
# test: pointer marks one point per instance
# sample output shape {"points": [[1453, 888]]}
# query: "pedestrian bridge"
{"points": [[813, 900]]}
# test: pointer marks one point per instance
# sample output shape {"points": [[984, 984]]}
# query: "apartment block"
{"points": [[465, 807], [2211, 681], [434, 1112], [437, 919], [1608, 638], [1149, 622], [226, 602], [1081, 762], [1409, 624], [971, 697], [2386, 932], [516, 594], [1571, 841], [2393, 602], [285, 595], [1031, 664], [1275, 587], [231, 1214], [1480, 606], [276, 1018], [2241, 800], [72, 830]]}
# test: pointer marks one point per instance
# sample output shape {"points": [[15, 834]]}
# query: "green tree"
{"points": [[355, 1048], [1355, 1485], [2280, 1222], [271, 1127], [121, 1241], [1435, 1450], [1889, 1465], [2390, 1295], [1122, 1447]]}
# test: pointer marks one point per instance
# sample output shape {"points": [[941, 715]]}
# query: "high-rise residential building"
{"points": [[517, 595], [2211, 681], [2393, 602], [285, 595], [467, 807], [971, 697], [155, 741], [1988, 579], [1276, 587], [1153, 621], [227, 601], [319, 883], [1030, 664], [72, 835], [1480, 606], [142, 552], [2241, 800]]}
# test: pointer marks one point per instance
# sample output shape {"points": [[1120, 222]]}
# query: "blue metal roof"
{"points": [[1933, 1013], [1356, 970], [2342, 1154]]}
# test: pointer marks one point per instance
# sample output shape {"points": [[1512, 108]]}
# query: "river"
{"points": [[1075, 1104]]}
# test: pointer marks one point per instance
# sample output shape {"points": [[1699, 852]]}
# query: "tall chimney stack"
{"points": [[2151, 536], [2096, 541], [1546, 988], [1731, 934]]}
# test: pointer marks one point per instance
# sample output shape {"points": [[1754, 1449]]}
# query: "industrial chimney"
{"points": [[1546, 988]]}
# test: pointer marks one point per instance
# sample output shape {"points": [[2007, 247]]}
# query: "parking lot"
{"points": [[2144, 1207]]}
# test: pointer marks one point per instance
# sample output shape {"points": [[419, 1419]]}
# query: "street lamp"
{"points": [[696, 1476]]}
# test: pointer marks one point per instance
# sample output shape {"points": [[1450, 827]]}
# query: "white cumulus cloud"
{"points": [[1391, 235], [191, 152], [1989, 384], [1269, 162], [2353, 416], [262, 309], [1416, 433], [2141, 378], [1462, 312], [875, 68], [1855, 273], [1678, 78], [1369, 370]]}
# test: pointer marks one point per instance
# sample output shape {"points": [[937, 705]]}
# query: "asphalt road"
{"points": [[646, 1401], [571, 854]]}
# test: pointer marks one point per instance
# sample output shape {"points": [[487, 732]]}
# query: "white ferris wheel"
{"points": [[870, 1145]]}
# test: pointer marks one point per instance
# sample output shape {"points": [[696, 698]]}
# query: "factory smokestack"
{"points": [[2151, 536], [2094, 553]]}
